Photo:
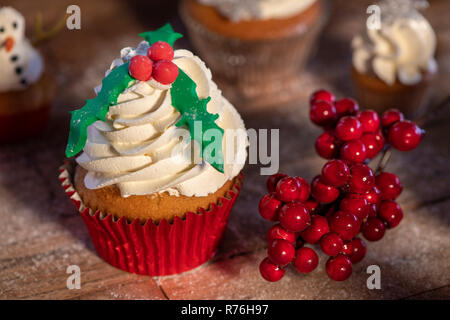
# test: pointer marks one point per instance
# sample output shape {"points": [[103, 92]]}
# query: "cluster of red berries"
{"points": [[345, 199], [157, 64]]}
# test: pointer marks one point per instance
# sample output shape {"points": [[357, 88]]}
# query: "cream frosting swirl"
{"points": [[238, 10], [402, 48], [141, 151]]}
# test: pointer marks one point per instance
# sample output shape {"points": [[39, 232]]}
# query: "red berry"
{"points": [[319, 227], [369, 120], [389, 185], [348, 128], [373, 144], [294, 216], [346, 107], [354, 151], [373, 210], [323, 113], [390, 117], [359, 250], [140, 68], [405, 135], [306, 260], [160, 50], [322, 192], [312, 205], [373, 196], [165, 72], [331, 244], [347, 249], [281, 252], [339, 268], [288, 189], [327, 145], [345, 224], [391, 213], [278, 232], [268, 207], [321, 95], [373, 229], [335, 173], [271, 272], [355, 204], [273, 180], [361, 178], [305, 189]]}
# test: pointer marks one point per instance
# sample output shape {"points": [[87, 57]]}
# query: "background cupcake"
{"points": [[393, 65], [137, 163], [258, 47], [25, 90]]}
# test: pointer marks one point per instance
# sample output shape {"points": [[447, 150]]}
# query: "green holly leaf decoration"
{"points": [[193, 109], [96, 109], [165, 33]]}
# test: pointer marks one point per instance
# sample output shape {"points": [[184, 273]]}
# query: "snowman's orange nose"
{"points": [[9, 44]]}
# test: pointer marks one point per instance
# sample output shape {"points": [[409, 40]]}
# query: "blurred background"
{"points": [[41, 232]]}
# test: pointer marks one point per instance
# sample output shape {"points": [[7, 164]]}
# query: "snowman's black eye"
{"points": [[15, 25], [2, 29]]}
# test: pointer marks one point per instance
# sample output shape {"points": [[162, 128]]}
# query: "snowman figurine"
{"points": [[20, 63]]}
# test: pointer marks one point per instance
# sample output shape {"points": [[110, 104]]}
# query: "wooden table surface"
{"points": [[41, 233]]}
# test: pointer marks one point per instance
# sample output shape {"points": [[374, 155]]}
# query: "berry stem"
{"points": [[384, 160]]}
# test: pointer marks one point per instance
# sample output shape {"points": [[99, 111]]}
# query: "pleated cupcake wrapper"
{"points": [[155, 249]]}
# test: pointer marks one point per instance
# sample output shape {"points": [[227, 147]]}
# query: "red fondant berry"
{"points": [[323, 192], [305, 189], [356, 204], [160, 50], [306, 260], [369, 120], [339, 268], [273, 180], [391, 213], [390, 117], [373, 229], [312, 205], [288, 189], [348, 128], [281, 252], [294, 216], [278, 232], [373, 196], [373, 210], [269, 206], [359, 250], [405, 135], [373, 144], [346, 107], [321, 95], [335, 173], [165, 72], [319, 227], [389, 185], [327, 145], [140, 68], [361, 178], [323, 113], [354, 151], [270, 271], [345, 224], [331, 244], [347, 249]]}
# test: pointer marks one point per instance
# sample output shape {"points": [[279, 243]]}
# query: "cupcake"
{"points": [[394, 64], [161, 161], [255, 48], [25, 90]]}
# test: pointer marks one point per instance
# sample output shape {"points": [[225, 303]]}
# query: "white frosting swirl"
{"points": [[238, 10], [20, 63], [141, 151], [402, 48]]}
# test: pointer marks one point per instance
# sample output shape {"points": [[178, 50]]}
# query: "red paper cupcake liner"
{"points": [[150, 248]]}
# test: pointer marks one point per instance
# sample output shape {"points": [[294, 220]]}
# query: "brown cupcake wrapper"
{"points": [[150, 248]]}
